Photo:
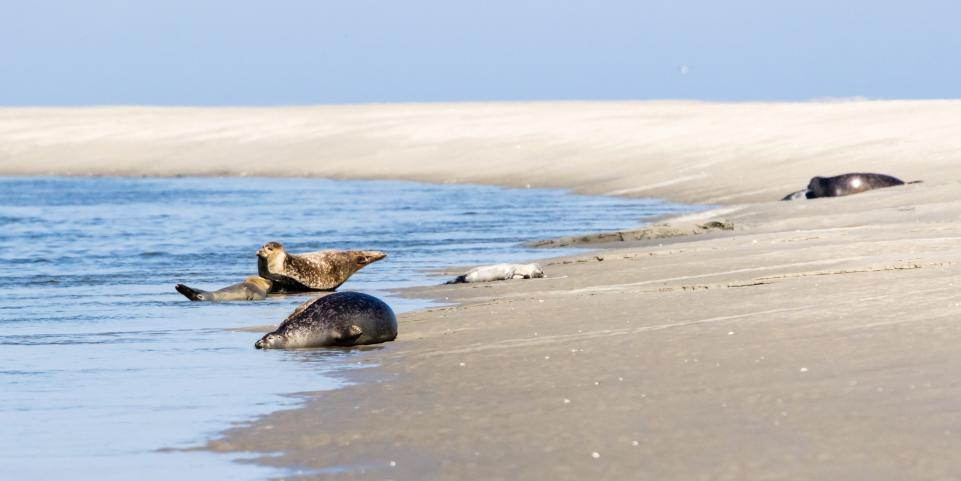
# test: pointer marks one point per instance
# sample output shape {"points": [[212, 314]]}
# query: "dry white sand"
{"points": [[689, 151], [816, 340]]}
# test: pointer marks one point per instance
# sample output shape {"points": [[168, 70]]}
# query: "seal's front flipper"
{"points": [[353, 333], [347, 338], [190, 293]]}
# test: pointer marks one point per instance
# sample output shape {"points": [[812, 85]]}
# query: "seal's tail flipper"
{"points": [[189, 293], [458, 280]]}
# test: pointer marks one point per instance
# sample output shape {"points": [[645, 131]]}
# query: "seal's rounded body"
{"points": [[253, 288], [339, 319], [310, 271], [847, 184]]}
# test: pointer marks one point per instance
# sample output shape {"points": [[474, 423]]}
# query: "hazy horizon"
{"points": [[298, 52]]}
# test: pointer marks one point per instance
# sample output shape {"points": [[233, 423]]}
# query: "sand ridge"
{"points": [[694, 152]]}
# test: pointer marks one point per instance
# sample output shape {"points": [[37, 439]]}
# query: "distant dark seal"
{"points": [[253, 288], [310, 271], [339, 319], [845, 184]]}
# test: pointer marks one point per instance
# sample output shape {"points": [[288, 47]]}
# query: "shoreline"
{"points": [[812, 340]]}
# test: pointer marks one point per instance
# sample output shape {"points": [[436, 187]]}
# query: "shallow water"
{"points": [[102, 363]]}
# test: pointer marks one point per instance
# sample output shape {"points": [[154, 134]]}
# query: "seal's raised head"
{"points": [[271, 257], [271, 249]]}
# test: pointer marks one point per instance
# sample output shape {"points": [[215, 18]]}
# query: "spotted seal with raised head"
{"points": [[339, 319], [499, 272], [845, 184], [253, 288], [310, 271]]}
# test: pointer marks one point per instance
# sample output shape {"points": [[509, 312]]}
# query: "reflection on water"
{"points": [[102, 363]]}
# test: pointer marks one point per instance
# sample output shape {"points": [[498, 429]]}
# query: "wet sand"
{"points": [[759, 340]]}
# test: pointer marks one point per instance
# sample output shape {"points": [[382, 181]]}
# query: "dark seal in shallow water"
{"points": [[340, 319], [845, 184]]}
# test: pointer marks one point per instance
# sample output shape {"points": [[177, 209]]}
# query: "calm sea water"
{"points": [[102, 363]]}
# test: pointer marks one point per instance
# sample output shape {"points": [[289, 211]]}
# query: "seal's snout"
{"points": [[269, 341]]}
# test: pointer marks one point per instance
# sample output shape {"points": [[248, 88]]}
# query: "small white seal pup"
{"points": [[500, 272], [340, 319], [310, 271]]}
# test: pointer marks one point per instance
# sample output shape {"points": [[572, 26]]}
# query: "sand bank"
{"points": [[685, 151], [810, 340]]}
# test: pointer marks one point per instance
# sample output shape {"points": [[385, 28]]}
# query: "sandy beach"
{"points": [[757, 340]]}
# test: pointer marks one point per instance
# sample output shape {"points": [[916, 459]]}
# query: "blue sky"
{"points": [[279, 52]]}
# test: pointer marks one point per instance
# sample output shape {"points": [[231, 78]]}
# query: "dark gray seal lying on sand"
{"points": [[253, 288], [310, 271], [845, 184], [340, 319]]}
